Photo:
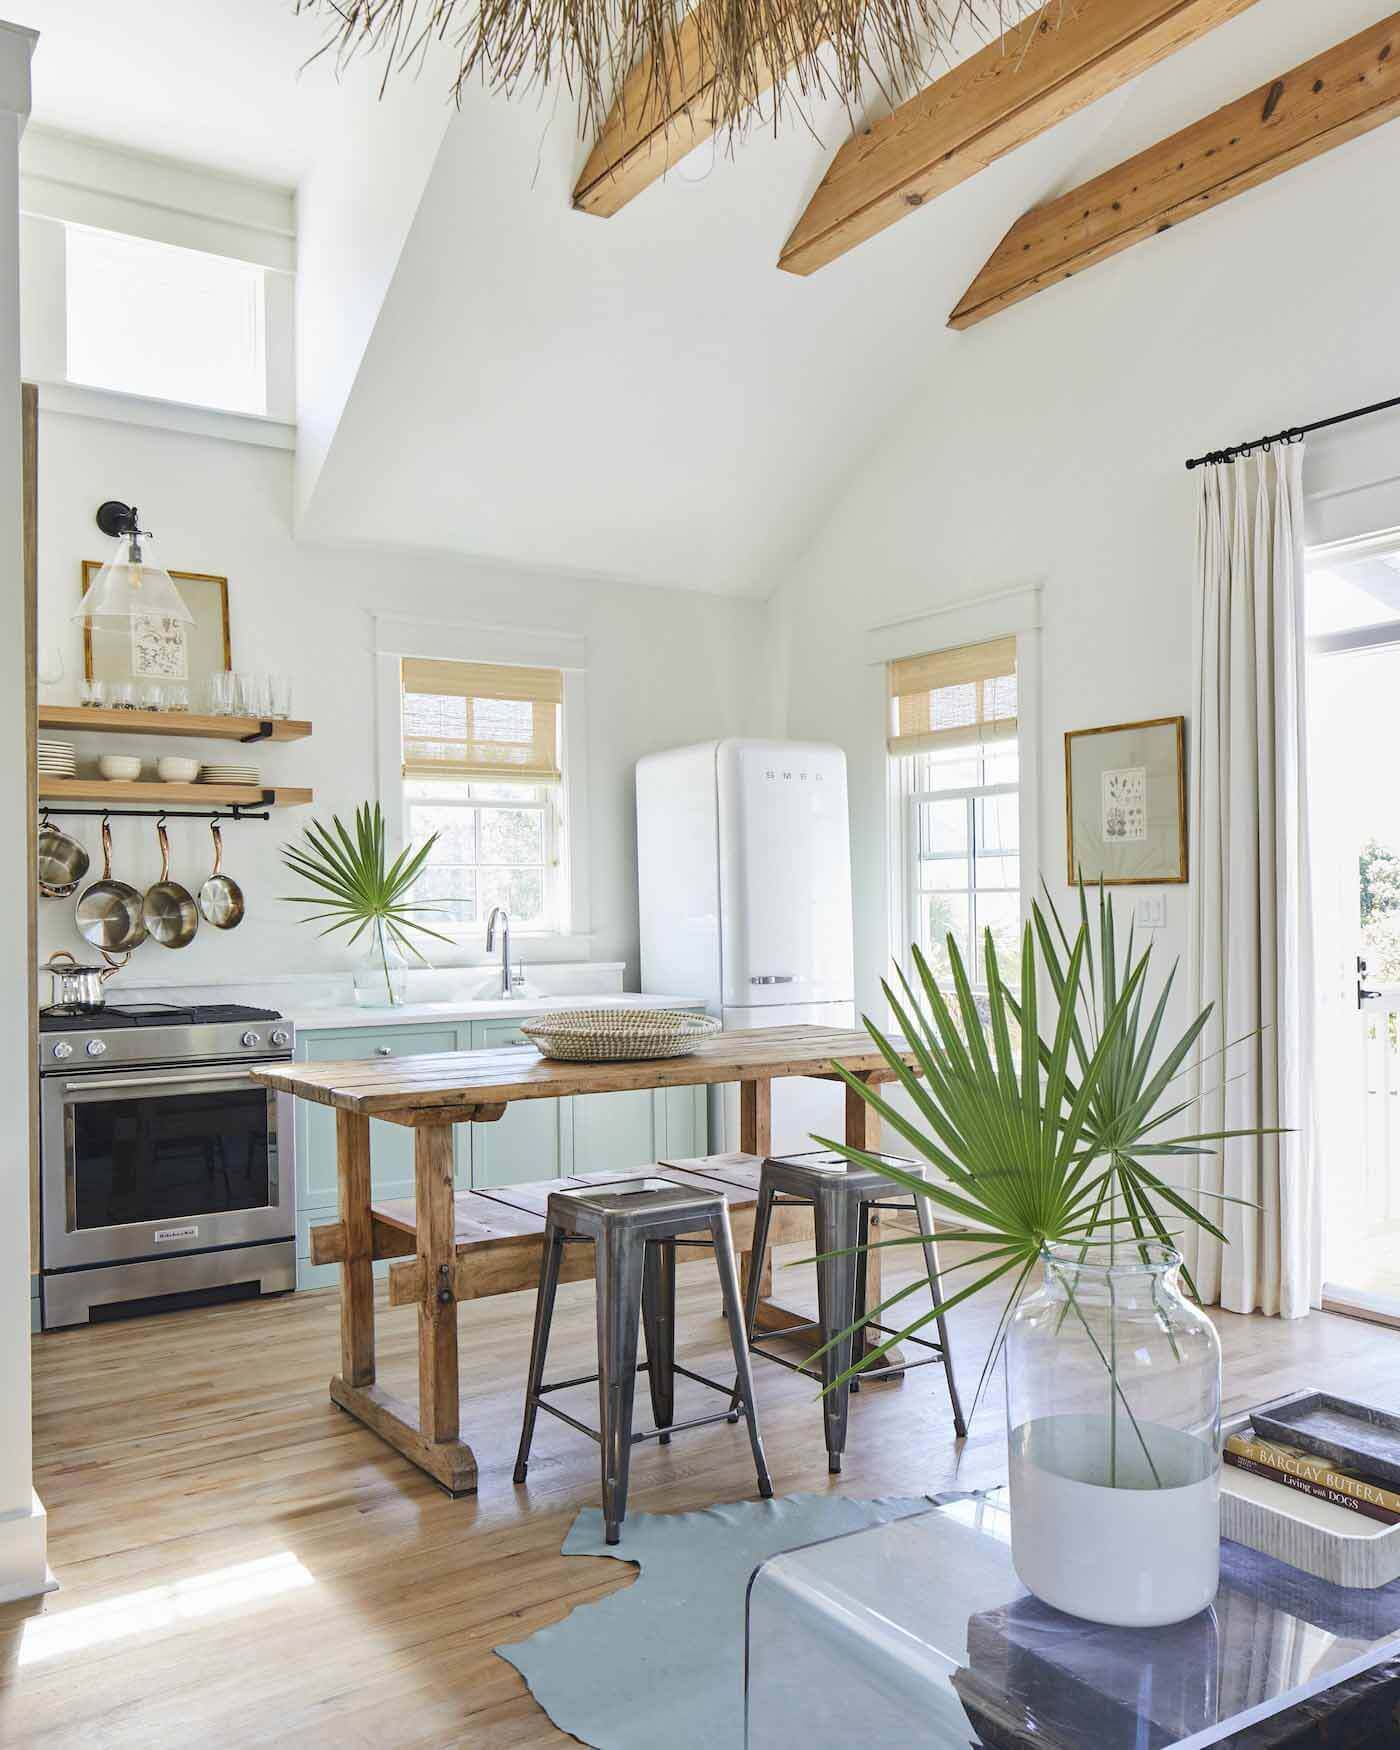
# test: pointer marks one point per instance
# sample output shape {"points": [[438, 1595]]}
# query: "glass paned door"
{"points": [[1354, 679]]}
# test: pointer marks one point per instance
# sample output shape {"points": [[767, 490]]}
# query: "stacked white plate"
{"points": [[230, 775], [57, 759]]}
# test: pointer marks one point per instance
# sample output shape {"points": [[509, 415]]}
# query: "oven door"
{"points": [[149, 1162]]}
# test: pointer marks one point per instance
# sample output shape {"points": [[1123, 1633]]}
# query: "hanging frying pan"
{"points": [[168, 910], [109, 912], [220, 898]]}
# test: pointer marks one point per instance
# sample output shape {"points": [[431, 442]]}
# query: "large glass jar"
{"points": [[381, 978], [1113, 1419]]}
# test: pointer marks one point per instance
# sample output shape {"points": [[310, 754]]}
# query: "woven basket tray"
{"points": [[618, 1035]]}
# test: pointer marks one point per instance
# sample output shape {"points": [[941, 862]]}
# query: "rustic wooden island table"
{"points": [[451, 1246]]}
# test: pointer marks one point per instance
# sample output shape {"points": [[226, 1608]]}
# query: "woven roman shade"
{"points": [[953, 698], [481, 720]]}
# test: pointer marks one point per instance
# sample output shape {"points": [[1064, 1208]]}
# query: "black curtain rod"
{"points": [[1294, 434]]}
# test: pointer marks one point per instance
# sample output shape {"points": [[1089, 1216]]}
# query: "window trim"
{"points": [[553, 864], [973, 620], [1378, 636], [969, 794], [396, 638]]}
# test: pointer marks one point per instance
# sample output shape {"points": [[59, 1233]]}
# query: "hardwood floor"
{"points": [[241, 1563]]}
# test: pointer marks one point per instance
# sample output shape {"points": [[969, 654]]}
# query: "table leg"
{"points": [[357, 1269], [428, 1437], [863, 1131], [756, 1138]]}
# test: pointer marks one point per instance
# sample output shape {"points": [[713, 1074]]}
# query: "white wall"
{"points": [[1050, 450], [355, 205], [22, 1558], [665, 667]]}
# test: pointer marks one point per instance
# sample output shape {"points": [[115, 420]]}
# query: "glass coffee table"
{"points": [[918, 1633]]}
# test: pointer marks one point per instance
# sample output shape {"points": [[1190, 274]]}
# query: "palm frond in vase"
{"points": [[357, 888], [1031, 1149]]}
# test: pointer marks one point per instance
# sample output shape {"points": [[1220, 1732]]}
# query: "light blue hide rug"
{"points": [[662, 1661]]}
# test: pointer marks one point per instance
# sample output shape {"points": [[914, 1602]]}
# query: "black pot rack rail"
{"points": [[234, 811]]}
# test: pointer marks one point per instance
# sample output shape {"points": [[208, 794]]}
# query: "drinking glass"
{"points": [[93, 694], [152, 696], [121, 695], [222, 694], [252, 694], [176, 697], [279, 695]]}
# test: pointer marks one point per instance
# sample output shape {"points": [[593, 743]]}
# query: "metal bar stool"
{"points": [[635, 1227], [842, 1197]]}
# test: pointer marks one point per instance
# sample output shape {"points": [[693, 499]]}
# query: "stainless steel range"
{"points": [[166, 1172]]}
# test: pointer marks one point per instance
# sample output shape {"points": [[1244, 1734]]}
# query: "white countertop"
{"points": [[315, 1020]]}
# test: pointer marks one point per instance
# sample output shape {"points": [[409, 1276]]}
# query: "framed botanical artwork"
{"points": [[153, 648], [1125, 803]]}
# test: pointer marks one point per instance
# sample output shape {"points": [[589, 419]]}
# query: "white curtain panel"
{"points": [[1251, 899]]}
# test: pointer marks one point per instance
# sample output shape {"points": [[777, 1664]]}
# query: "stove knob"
{"points": [[251, 1039], [96, 1047], [63, 1049], [280, 1036]]}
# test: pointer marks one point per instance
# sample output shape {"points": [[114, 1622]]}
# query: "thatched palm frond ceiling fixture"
{"points": [[826, 47]]}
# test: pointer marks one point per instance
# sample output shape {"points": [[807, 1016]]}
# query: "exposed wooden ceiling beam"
{"points": [[1344, 92], [1056, 62], [643, 136]]}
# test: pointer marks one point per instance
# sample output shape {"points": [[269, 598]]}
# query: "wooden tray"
{"points": [[1354, 1437], [1331, 1543]]}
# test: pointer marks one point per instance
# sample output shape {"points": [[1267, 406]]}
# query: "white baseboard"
{"points": [[24, 1569]]}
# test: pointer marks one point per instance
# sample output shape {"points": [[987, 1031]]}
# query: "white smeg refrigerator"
{"points": [[744, 869]]}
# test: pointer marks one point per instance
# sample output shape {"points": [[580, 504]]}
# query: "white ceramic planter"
{"points": [[1139, 1555]]}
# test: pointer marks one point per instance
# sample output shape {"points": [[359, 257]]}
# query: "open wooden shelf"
{"points": [[189, 723], [158, 795]]}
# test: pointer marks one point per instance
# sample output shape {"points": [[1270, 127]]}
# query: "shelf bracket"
{"points": [[263, 732]]}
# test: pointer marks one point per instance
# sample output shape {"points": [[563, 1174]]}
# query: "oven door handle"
{"points": [[230, 1073]]}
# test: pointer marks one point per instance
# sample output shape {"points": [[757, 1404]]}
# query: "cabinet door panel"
{"points": [[613, 1133], [531, 1141], [391, 1145]]}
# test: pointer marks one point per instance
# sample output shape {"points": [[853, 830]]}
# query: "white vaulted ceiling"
{"points": [[646, 396]]}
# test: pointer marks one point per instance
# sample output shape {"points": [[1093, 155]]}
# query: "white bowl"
{"points": [[119, 766], [172, 770]]}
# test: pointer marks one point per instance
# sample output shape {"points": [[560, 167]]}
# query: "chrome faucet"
{"points": [[501, 913]]}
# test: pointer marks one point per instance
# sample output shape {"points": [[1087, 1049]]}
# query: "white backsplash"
{"points": [[297, 992]]}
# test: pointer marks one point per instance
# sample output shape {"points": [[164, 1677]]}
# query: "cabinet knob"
{"points": [[383, 1051]]}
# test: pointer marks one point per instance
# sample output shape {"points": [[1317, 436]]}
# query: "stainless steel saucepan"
{"points": [[77, 989], [220, 898], [62, 862], [168, 910], [109, 912]]}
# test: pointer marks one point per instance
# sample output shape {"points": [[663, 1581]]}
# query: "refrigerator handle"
{"points": [[775, 978]]}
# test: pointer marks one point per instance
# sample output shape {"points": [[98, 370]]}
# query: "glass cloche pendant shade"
{"points": [[129, 585]]}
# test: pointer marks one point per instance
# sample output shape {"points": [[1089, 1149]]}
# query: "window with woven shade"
{"points": [[481, 720], [954, 775], [953, 698], [483, 769]]}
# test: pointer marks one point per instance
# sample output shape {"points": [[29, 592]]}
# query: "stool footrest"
{"points": [[888, 1371]]}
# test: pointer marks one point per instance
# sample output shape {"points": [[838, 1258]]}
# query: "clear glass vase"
{"points": [[1113, 1419], [381, 978]]}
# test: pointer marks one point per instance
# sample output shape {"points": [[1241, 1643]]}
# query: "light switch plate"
{"points": [[1151, 911]]}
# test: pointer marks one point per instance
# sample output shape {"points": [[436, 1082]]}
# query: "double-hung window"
{"points": [[955, 806], [483, 769]]}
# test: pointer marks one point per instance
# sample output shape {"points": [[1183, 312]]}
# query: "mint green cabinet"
{"points": [[532, 1140], [391, 1145], [536, 1139]]}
